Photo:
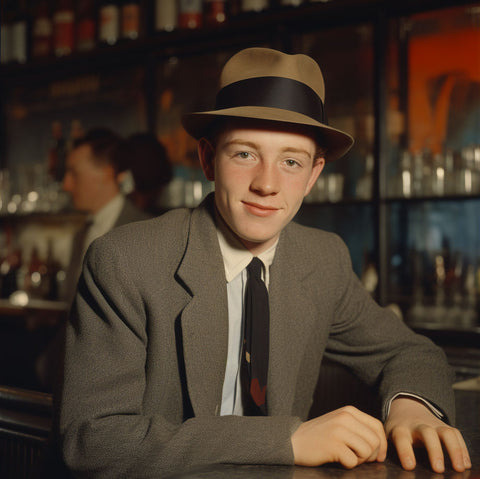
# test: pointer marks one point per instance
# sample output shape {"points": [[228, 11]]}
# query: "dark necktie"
{"points": [[255, 343]]}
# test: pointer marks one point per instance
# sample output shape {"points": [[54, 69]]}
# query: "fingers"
{"points": [[432, 438], [456, 448], [403, 442], [373, 426], [346, 436]]}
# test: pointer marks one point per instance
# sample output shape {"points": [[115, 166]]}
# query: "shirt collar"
{"points": [[108, 214], [235, 256]]}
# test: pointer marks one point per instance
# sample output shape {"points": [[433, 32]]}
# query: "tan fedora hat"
{"points": [[266, 84]]}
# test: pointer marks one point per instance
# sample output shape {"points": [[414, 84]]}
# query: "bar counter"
{"points": [[468, 421]]}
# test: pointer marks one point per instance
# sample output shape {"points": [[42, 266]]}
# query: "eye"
{"points": [[244, 155], [292, 163]]}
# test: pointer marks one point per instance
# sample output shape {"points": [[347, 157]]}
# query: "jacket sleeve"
{"points": [[104, 430], [381, 349]]}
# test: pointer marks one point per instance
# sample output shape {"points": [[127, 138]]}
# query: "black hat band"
{"points": [[272, 92]]}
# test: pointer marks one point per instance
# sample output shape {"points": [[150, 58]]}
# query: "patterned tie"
{"points": [[255, 342]]}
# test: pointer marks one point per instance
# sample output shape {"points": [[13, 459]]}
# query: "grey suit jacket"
{"points": [[146, 348]]}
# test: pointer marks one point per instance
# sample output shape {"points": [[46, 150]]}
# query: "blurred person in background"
{"points": [[92, 179], [146, 159]]}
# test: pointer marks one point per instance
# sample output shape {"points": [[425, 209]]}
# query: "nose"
{"points": [[266, 180]]}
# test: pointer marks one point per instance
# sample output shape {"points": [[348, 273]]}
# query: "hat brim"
{"points": [[336, 142]]}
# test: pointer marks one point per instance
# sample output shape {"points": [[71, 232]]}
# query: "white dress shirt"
{"points": [[104, 219], [236, 258]]}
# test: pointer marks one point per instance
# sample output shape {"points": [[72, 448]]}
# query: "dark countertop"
{"points": [[468, 421]]}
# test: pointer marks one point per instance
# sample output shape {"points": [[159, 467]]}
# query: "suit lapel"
{"points": [[293, 315], [204, 320]]}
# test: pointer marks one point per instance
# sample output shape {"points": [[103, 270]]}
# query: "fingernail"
{"points": [[408, 462], [439, 466], [468, 463]]}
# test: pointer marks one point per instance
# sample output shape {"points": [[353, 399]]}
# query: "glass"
{"points": [[340, 201], [348, 73], [434, 104]]}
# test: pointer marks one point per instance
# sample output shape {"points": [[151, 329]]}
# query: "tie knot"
{"points": [[255, 268]]}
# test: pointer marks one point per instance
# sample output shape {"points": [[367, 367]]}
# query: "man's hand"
{"points": [[347, 436], [410, 423]]}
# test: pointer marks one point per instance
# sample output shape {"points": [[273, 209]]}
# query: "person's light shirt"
{"points": [[104, 219], [236, 258]]}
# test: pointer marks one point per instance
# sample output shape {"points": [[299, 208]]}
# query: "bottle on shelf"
{"points": [[166, 15], [85, 29], [292, 3], [42, 31], [470, 314], [6, 18], [190, 14], [369, 275], [9, 266], [364, 188], [36, 282], [19, 34], [55, 274], [254, 5], [215, 12], [63, 28], [109, 22], [130, 19], [57, 153]]}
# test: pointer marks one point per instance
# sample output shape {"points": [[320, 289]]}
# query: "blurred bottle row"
{"points": [[38, 29], [30, 273], [445, 289], [448, 174]]}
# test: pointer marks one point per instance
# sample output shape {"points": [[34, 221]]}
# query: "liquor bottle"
{"points": [[254, 5], [109, 22], [19, 32], [369, 276], [10, 266], [36, 279], [131, 19], [166, 15], [190, 14], [292, 3], [6, 20], [215, 12], [85, 26], [42, 31], [57, 153], [63, 28], [53, 269]]}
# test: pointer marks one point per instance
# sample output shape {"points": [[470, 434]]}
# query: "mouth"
{"points": [[259, 210]]}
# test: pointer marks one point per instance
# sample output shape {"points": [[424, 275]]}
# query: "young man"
{"points": [[155, 361]]}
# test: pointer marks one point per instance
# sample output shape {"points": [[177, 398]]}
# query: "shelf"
{"points": [[422, 199], [40, 306], [240, 30]]}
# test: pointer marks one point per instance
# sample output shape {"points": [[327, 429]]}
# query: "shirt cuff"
{"points": [[428, 404]]}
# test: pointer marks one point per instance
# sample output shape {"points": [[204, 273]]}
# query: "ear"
{"points": [[109, 172], [317, 168], [206, 154]]}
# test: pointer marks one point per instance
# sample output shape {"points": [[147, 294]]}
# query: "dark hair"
{"points": [[104, 143], [146, 157]]}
